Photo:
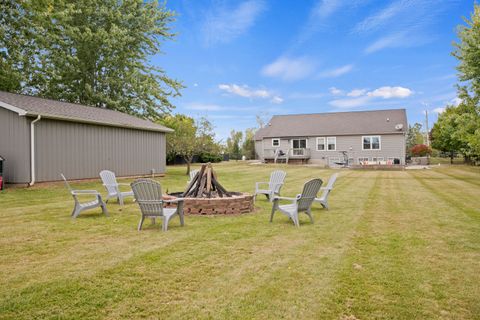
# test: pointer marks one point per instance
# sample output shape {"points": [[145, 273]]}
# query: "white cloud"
{"points": [[325, 8], [360, 97], [357, 92], [336, 72], [456, 101], [390, 41], [335, 91], [350, 103], [289, 69], [224, 24], [276, 100], [246, 92], [384, 16], [403, 23], [390, 92], [439, 110]]}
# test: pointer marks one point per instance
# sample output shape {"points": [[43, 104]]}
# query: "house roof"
{"points": [[335, 123], [26, 105]]}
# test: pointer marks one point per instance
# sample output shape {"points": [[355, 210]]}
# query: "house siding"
{"points": [[392, 146], [82, 150], [15, 146]]}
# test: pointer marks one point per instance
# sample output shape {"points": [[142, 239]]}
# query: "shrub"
{"points": [[210, 157], [421, 150]]}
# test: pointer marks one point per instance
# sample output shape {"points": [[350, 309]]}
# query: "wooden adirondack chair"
{"points": [[301, 203], [113, 187], [82, 206], [276, 182], [148, 194], [323, 200]]}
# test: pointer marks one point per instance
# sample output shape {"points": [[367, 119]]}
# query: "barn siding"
{"points": [[82, 150], [15, 146]]}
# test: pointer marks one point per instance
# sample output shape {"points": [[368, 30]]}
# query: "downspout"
{"points": [[32, 150]]}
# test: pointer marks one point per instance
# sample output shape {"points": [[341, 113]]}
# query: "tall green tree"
{"points": [[467, 51], [233, 144], [414, 136], [248, 145], [190, 137], [88, 51]]}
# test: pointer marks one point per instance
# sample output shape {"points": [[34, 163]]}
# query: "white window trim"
{"points": [[277, 139], [379, 141], [324, 144], [306, 142]]}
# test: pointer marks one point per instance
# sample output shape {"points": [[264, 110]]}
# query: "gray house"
{"points": [[39, 138], [363, 137]]}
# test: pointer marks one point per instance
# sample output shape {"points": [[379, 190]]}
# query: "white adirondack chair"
{"points": [[148, 194], [301, 203], [193, 173], [113, 187], [82, 206], [323, 200], [276, 182]]}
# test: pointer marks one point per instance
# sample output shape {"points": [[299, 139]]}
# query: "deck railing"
{"points": [[298, 153]]}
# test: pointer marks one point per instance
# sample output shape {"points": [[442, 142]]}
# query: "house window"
{"points": [[299, 143], [363, 160], [331, 143], [320, 144], [378, 159], [371, 142], [275, 142]]}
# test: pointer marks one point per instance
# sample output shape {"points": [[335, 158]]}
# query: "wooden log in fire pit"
{"points": [[205, 185]]}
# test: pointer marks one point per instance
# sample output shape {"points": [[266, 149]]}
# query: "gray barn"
{"points": [[40, 138]]}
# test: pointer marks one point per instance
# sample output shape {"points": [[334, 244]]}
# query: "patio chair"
{"points": [[113, 187], [148, 194], [323, 200], [276, 182], [193, 173], [301, 203], [82, 206]]}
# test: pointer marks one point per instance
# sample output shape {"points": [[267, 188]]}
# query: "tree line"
{"points": [[457, 129]]}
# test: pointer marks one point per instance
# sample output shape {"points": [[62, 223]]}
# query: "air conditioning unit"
{"points": [[399, 126]]}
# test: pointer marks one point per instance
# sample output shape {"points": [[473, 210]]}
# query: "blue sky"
{"points": [[240, 59]]}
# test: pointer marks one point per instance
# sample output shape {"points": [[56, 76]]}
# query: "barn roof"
{"points": [[53, 109]]}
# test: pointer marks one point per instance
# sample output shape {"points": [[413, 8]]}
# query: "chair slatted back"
{"points": [[193, 173], [310, 190], [66, 182], [148, 194], [110, 181], [277, 176], [329, 186]]}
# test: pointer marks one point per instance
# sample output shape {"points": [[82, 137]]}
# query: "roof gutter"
{"points": [[32, 149]]}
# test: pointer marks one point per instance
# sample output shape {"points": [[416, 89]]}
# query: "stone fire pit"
{"points": [[205, 195]]}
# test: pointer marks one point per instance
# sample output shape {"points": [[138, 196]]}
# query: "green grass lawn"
{"points": [[394, 245]]}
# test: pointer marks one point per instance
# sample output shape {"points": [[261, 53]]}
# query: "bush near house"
{"points": [[421, 150]]}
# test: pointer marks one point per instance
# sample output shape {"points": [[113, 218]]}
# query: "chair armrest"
{"points": [[79, 192], [257, 184], [294, 200]]}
